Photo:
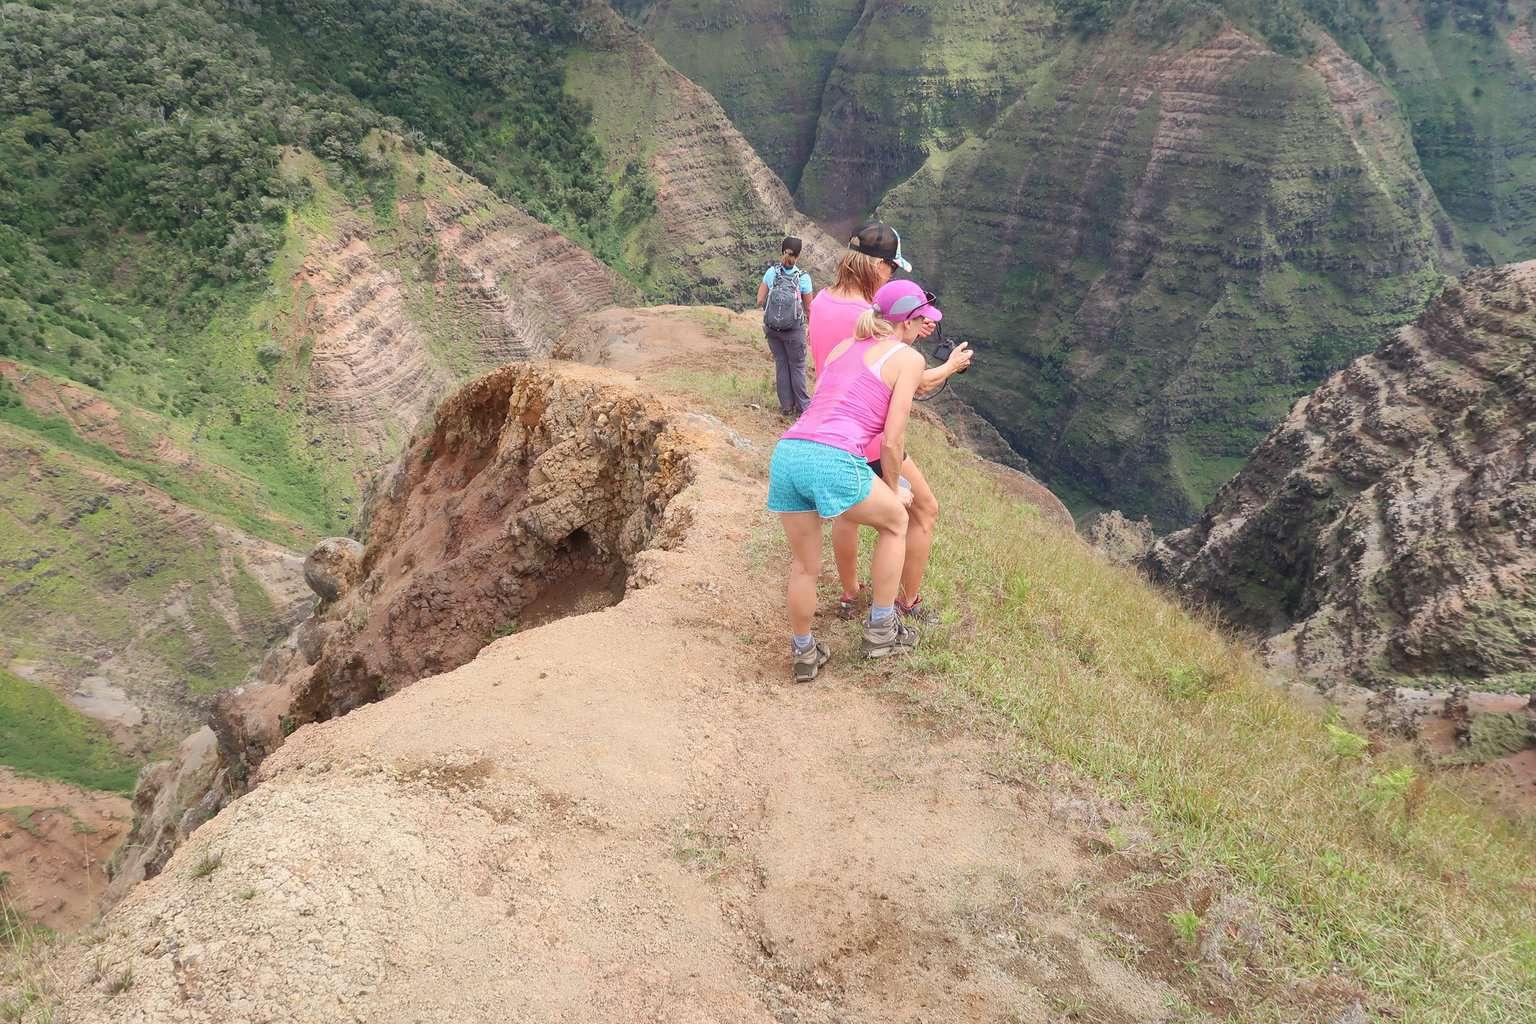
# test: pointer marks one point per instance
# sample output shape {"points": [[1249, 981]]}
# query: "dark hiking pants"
{"points": [[788, 348]]}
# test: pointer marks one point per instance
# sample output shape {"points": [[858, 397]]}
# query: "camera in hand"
{"points": [[944, 346]]}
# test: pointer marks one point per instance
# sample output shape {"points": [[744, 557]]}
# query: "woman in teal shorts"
{"points": [[819, 472]]}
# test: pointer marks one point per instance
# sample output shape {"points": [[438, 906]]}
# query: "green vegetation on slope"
{"points": [[478, 80], [1176, 253], [152, 118], [89, 565], [774, 98], [1401, 882], [42, 736]]}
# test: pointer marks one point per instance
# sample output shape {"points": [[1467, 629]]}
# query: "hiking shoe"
{"points": [[810, 662], [848, 607], [918, 612], [881, 640]]}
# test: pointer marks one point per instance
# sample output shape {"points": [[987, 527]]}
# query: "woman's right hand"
{"points": [[904, 494], [959, 358]]}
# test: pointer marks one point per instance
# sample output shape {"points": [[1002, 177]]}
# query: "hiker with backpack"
{"points": [[785, 299]]}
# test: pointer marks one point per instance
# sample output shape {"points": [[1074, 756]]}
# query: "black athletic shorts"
{"points": [[875, 465]]}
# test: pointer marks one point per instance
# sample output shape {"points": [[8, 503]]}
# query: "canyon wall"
{"points": [[1162, 233], [1385, 532], [720, 212]]}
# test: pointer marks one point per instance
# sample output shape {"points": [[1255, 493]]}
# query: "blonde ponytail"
{"points": [[871, 325]]}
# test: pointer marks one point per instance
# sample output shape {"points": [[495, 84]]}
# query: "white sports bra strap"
{"points": [[879, 364]]}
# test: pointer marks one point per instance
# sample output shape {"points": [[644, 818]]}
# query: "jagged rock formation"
{"points": [[1161, 235], [530, 498], [720, 211], [1386, 531]]}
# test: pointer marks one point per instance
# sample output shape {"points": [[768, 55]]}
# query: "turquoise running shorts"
{"points": [[807, 476]]}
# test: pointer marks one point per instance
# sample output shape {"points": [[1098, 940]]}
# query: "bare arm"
{"points": [[908, 367], [935, 376], [762, 295]]}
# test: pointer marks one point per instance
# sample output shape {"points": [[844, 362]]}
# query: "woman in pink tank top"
{"points": [[874, 255], [819, 472]]}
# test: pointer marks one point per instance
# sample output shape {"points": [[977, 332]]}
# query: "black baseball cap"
{"points": [[790, 244], [880, 241]]}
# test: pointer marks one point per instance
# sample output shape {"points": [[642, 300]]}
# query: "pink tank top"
{"points": [[850, 404], [832, 322]]}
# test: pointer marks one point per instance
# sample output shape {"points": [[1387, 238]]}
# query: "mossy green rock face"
{"points": [[1386, 531], [774, 97], [1159, 236], [1161, 248]]}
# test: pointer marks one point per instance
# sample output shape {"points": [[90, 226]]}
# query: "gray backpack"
{"points": [[782, 310]]}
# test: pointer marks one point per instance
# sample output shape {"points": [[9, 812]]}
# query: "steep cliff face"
{"points": [[1179, 241], [1164, 233], [719, 210], [774, 97], [1386, 531]]}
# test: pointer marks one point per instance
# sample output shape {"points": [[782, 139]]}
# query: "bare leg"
{"points": [[803, 530], [923, 518], [884, 511], [845, 552]]}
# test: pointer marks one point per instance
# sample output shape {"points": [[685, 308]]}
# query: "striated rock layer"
{"points": [[1180, 241], [720, 211], [397, 312], [1386, 531]]}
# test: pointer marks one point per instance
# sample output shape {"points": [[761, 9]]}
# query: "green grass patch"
{"points": [[42, 736], [1405, 885]]}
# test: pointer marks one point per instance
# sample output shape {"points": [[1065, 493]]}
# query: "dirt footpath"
{"points": [[631, 816]]}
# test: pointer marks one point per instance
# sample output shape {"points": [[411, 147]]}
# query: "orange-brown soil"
{"points": [[55, 840]]}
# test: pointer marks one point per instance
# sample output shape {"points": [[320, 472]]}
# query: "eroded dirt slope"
{"points": [[628, 816]]}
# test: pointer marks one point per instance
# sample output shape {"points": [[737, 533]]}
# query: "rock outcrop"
{"points": [[1386, 531], [333, 567], [531, 497]]}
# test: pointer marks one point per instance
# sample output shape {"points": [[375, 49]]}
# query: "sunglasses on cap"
{"points": [[905, 306]]}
